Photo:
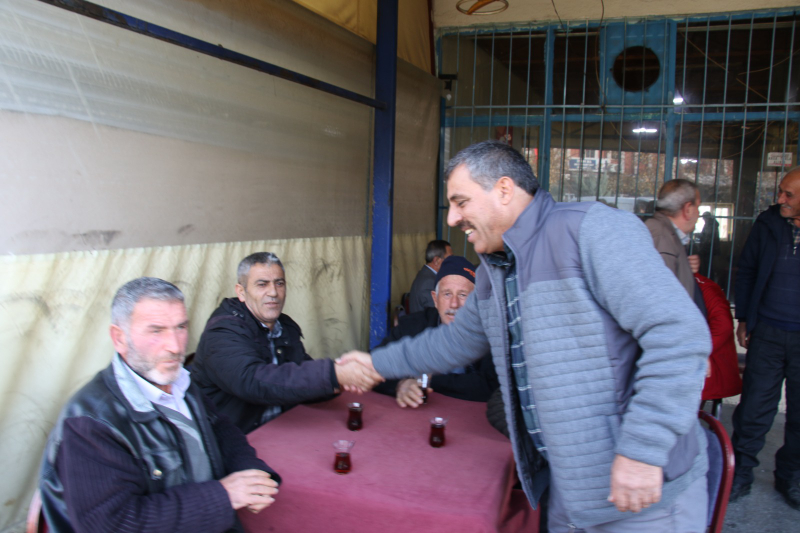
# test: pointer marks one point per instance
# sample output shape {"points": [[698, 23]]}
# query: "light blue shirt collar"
{"points": [[681, 235], [174, 401]]}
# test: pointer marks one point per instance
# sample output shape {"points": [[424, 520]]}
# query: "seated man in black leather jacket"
{"points": [[455, 280], [251, 361], [139, 448]]}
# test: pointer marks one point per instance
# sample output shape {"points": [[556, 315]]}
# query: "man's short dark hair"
{"points": [[488, 161], [437, 248], [258, 258], [135, 291], [675, 194]]}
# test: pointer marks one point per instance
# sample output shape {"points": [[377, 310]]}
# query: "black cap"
{"points": [[455, 265]]}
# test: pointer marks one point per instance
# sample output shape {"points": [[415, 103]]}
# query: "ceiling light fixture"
{"points": [[678, 100], [642, 129]]}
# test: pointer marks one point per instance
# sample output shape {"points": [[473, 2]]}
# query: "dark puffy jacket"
{"points": [[756, 263], [233, 366], [476, 385], [115, 463]]}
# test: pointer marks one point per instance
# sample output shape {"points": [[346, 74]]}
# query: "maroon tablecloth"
{"points": [[398, 481]]}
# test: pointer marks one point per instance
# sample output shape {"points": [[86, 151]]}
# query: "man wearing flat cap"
{"points": [[455, 280]]}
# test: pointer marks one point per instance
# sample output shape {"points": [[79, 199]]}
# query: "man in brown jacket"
{"points": [[677, 211]]}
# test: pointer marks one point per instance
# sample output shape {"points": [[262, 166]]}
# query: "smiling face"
{"points": [[789, 196], [475, 211], [265, 292], [154, 345], [452, 293]]}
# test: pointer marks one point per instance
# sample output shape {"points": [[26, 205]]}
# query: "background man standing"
{"points": [[139, 448], [599, 377], [420, 293], [677, 211], [768, 310]]}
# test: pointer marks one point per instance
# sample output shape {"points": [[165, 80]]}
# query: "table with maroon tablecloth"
{"points": [[398, 482]]}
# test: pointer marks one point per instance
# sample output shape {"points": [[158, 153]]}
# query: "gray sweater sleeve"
{"points": [[436, 350], [628, 278]]}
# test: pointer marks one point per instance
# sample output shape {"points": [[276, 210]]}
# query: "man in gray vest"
{"points": [[597, 375], [139, 448]]}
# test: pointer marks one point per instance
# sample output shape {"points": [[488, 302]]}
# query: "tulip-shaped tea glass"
{"points": [[342, 463], [437, 431], [354, 422]]}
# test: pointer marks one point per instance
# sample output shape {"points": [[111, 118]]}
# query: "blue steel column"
{"points": [[671, 67], [383, 171], [546, 131]]}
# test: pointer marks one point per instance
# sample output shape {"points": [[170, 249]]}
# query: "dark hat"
{"points": [[455, 265]]}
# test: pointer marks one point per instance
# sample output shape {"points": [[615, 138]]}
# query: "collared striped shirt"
{"points": [[795, 235], [272, 411], [515, 341]]}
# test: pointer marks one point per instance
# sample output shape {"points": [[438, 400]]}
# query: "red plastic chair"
{"points": [[726, 478], [36, 522]]}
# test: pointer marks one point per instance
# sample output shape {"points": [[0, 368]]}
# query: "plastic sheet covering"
{"points": [[360, 17], [91, 114], [123, 156]]}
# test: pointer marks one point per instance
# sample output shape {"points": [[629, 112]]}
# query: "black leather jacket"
{"points": [[111, 455], [233, 366]]}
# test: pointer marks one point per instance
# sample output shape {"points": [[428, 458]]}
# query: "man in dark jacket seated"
{"points": [[455, 280], [139, 448], [251, 361]]}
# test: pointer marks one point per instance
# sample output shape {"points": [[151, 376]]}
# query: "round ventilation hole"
{"points": [[636, 68]]}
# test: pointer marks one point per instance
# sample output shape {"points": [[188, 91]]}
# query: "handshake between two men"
{"points": [[355, 372]]}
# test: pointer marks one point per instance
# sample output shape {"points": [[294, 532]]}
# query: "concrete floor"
{"points": [[764, 510]]}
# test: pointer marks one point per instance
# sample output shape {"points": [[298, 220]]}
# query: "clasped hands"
{"points": [[355, 372]]}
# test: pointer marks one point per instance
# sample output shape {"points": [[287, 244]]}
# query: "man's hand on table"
{"points": [[409, 393], [355, 372], [253, 489], [634, 485]]}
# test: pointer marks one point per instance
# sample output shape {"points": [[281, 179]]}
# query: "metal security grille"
{"points": [[609, 110]]}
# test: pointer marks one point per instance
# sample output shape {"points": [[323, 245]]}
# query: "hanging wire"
{"points": [[560, 22]]}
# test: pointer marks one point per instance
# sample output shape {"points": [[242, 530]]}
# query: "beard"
{"points": [[146, 367]]}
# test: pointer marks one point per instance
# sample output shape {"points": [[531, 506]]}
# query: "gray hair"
{"points": [[258, 258], [488, 161], [675, 194], [436, 249], [139, 289]]}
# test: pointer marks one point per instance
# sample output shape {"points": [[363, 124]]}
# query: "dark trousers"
{"points": [[772, 356]]}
